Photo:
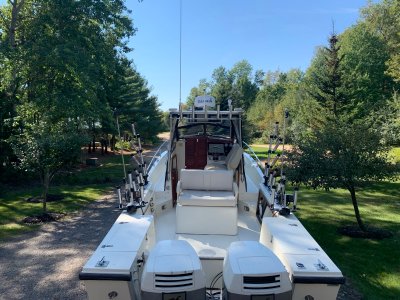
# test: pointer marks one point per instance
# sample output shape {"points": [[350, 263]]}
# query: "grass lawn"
{"points": [[262, 151], [78, 188], [373, 266], [14, 207]]}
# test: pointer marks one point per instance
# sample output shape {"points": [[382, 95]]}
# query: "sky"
{"points": [[269, 34]]}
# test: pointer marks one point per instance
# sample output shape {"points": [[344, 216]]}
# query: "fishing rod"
{"points": [[275, 178], [133, 186]]}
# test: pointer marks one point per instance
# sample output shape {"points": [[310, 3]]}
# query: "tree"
{"points": [[324, 78], [388, 120], [45, 150], [55, 65], [222, 87], [13, 17], [344, 151], [130, 98], [279, 91], [383, 20], [363, 64], [237, 84], [244, 85], [341, 155], [202, 89]]}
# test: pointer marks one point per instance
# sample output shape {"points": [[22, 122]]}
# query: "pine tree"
{"points": [[325, 80]]}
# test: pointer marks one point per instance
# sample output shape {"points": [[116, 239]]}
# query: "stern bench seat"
{"points": [[207, 201]]}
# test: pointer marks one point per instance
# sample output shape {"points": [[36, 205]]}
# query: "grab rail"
{"points": [[253, 153], [155, 154]]}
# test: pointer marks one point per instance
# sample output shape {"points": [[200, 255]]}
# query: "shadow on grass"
{"points": [[362, 260], [14, 207]]}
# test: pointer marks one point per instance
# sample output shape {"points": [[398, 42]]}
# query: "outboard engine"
{"points": [[252, 271], [173, 271]]}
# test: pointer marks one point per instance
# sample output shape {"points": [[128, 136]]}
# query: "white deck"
{"points": [[207, 246]]}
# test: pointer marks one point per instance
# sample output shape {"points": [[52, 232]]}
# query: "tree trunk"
{"points": [[15, 10], [16, 7], [46, 183], [113, 143], [355, 206]]}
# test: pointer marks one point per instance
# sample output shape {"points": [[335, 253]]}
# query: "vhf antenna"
{"points": [[180, 53]]}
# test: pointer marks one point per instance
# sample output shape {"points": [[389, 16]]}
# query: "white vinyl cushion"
{"points": [[234, 156], [215, 166], [207, 198], [231, 162]]}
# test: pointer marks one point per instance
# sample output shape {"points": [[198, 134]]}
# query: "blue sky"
{"points": [[270, 34]]}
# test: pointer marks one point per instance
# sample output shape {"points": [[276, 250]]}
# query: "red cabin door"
{"points": [[196, 152]]}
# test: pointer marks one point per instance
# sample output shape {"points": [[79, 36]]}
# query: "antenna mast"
{"points": [[180, 52]]}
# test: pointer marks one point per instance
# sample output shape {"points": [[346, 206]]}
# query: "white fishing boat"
{"points": [[203, 221]]}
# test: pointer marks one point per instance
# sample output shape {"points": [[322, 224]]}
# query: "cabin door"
{"points": [[196, 153]]}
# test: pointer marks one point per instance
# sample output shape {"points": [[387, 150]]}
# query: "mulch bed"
{"points": [[50, 198], [43, 218], [371, 232]]}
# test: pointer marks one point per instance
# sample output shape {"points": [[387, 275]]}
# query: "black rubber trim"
{"points": [[311, 279], [95, 276]]}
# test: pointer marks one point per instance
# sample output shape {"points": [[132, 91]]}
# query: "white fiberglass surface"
{"points": [[207, 245]]}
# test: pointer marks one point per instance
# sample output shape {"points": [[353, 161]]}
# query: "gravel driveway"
{"points": [[45, 263]]}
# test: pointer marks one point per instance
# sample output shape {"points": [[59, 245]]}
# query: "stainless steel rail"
{"points": [[155, 155], [255, 155]]}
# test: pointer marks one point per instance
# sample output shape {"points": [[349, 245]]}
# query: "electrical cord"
{"points": [[211, 295]]}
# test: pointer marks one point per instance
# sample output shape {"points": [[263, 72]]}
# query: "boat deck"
{"points": [[208, 246]]}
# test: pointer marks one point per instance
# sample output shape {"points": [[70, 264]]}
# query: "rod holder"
{"points": [[275, 160], [119, 197], [266, 174], [133, 130], [273, 194], [276, 129], [295, 193], [130, 179], [139, 143], [230, 108]]}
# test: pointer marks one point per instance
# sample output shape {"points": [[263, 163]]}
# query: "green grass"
{"points": [[80, 187], [14, 207], [395, 154], [262, 151], [372, 265], [109, 170]]}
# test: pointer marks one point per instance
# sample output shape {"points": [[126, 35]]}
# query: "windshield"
{"points": [[206, 129]]}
